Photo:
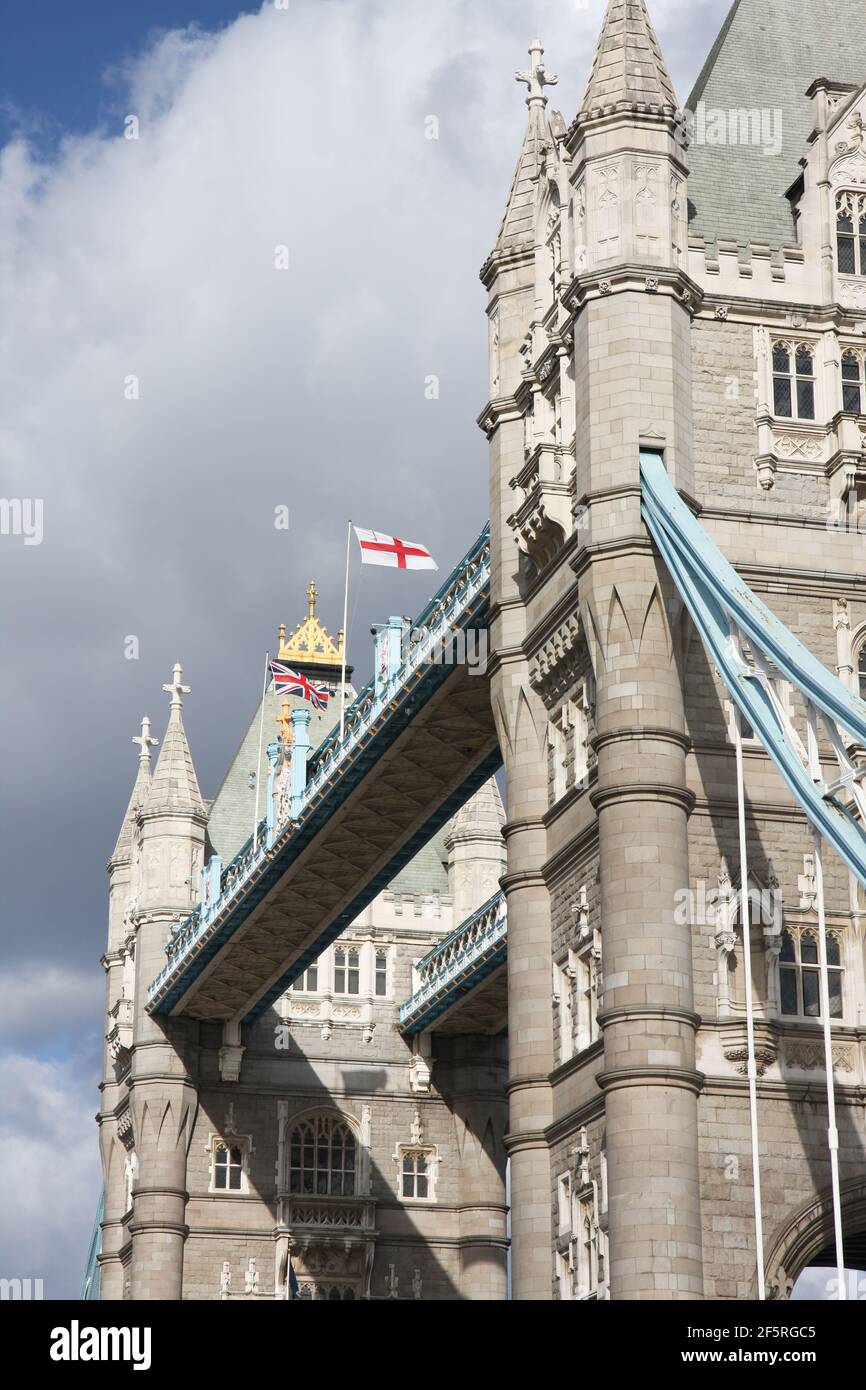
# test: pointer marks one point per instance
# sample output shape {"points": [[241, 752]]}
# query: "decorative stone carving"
{"points": [[561, 662], [232, 1051], [765, 1056], [420, 1068], [793, 446], [809, 1056]]}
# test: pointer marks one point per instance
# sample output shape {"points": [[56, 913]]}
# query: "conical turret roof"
{"points": [[628, 69], [175, 785]]}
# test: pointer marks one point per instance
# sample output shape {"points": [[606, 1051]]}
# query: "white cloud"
{"points": [[49, 1170]]}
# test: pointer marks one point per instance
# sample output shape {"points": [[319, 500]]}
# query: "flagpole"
{"points": [[832, 1130], [259, 763], [345, 633], [751, 1063]]}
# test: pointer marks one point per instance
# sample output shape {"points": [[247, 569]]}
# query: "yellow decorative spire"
{"points": [[284, 719], [310, 644]]}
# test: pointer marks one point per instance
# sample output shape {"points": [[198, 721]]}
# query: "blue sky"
{"points": [[55, 56]]}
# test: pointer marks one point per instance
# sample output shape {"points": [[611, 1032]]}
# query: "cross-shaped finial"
{"points": [[175, 689], [284, 719], [144, 741], [312, 594], [537, 77]]}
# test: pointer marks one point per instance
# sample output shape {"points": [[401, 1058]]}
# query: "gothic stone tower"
{"points": [[615, 328], [317, 1132]]}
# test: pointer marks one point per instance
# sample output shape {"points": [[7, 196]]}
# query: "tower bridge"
{"points": [[674, 592]]}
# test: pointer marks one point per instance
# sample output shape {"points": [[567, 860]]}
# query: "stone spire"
{"points": [[517, 228], [175, 786], [628, 71], [140, 792]]}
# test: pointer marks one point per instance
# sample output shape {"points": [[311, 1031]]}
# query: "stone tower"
{"points": [[654, 289], [163, 1098], [213, 1130]]}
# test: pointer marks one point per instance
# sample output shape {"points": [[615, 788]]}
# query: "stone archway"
{"points": [[807, 1238]]}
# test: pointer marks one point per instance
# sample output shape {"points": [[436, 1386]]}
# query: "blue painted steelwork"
{"points": [[90, 1280], [457, 966], [730, 617], [373, 722]]}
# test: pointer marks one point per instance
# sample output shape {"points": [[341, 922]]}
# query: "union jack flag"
{"points": [[290, 682]]}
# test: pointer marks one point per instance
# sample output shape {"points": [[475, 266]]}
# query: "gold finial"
{"points": [[284, 719], [310, 644]]}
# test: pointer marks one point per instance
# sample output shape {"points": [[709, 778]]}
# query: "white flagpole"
{"points": [[259, 763], [345, 634], [832, 1131], [751, 1067]]}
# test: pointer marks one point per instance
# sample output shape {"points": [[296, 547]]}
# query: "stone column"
{"points": [[522, 724], [164, 1101], [634, 621], [471, 1075]]}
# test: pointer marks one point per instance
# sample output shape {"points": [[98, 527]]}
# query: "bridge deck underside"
{"points": [[344, 857], [483, 1009]]}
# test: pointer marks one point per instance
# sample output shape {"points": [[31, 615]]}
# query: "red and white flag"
{"points": [[379, 549]]}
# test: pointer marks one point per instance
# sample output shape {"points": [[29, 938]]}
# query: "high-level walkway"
{"points": [[418, 741]]}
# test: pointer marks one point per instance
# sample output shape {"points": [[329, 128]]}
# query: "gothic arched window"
{"points": [[851, 234], [852, 382], [799, 974], [793, 381], [322, 1157]]}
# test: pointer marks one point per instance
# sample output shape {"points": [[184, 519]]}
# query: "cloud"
{"points": [[41, 1002], [49, 1170]]}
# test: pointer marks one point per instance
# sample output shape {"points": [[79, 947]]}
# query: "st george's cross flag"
{"points": [[379, 549], [289, 682]]}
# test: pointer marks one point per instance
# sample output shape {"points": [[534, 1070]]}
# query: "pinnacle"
{"points": [[628, 68]]}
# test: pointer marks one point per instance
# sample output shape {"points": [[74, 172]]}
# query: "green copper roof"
{"points": [[766, 56]]}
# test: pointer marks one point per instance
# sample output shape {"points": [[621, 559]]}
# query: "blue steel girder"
{"points": [[413, 753], [751, 647]]}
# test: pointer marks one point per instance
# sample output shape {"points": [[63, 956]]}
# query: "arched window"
{"points": [[851, 234], [852, 382], [322, 1157], [861, 671], [793, 381], [799, 974]]}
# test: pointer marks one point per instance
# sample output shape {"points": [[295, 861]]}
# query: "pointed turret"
{"points": [[518, 223], [628, 71], [175, 786], [140, 791], [476, 851]]}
